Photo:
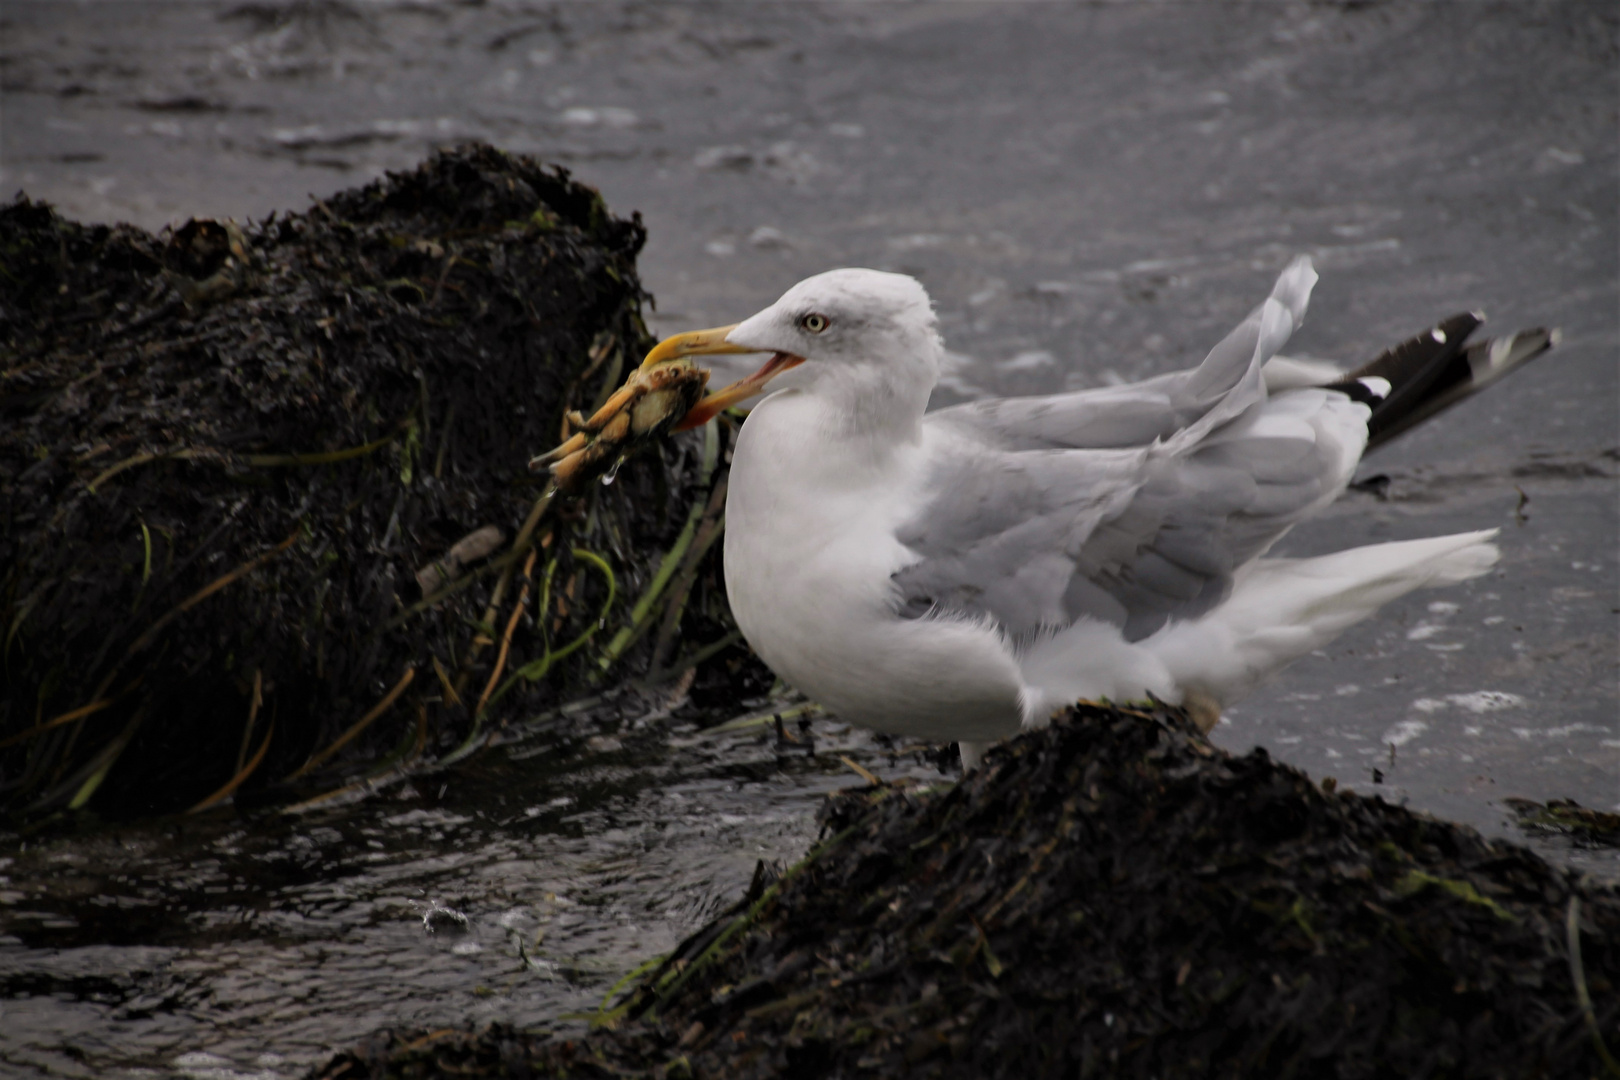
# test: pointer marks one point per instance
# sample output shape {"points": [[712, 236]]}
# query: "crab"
{"points": [[663, 395]]}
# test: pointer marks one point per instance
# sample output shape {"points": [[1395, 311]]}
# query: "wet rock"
{"points": [[264, 509], [1111, 897], [1566, 817]]}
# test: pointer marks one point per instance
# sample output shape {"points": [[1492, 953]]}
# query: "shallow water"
{"points": [[519, 887], [1090, 194]]}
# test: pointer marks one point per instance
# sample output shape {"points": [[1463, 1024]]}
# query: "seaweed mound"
{"points": [[1111, 897], [263, 499]]}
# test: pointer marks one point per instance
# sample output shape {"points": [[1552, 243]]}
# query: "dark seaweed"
{"points": [[1565, 817], [1109, 897], [302, 413]]}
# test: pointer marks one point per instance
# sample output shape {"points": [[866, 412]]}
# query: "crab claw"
{"points": [[575, 443], [655, 397], [741, 390], [661, 395]]}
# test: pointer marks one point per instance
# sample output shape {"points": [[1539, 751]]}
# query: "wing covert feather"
{"points": [[1132, 505]]}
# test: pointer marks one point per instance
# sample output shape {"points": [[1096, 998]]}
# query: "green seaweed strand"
{"points": [[535, 670], [641, 615]]}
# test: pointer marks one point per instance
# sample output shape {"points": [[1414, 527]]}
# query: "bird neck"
{"points": [[883, 403]]}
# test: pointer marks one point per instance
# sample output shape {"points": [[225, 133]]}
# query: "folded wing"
{"points": [[1131, 505]]}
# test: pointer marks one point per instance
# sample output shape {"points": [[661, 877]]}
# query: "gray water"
{"points": [[1090, 193]]}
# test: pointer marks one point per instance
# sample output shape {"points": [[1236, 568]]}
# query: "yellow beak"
{"points": [[693, 343], [711, 342]]}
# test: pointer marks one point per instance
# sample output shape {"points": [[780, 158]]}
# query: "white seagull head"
{"points": [[866, 338], [847, 317]]}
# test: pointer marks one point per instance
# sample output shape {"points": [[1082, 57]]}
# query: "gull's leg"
{"points": [[1202, 709], [972, 754]]}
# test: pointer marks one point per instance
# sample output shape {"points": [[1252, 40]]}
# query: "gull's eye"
{"points": [[815, 322]]}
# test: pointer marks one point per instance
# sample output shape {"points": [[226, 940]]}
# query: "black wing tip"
{"points": [[1492, 358], [1457, 328], [1370, 390], [1435, 370], [1404, 374]]}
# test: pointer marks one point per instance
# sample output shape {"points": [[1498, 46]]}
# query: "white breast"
{"points": [[810, 550]]}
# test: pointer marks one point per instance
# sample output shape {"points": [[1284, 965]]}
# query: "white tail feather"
{"points": [[1282, 609], [1292, 372]]}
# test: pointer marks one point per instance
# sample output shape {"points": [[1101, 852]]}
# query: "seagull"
{"points": [[962, 574]]}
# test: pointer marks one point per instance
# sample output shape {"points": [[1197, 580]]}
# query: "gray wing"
{"points": [[1133, 505], [1158, 408]]}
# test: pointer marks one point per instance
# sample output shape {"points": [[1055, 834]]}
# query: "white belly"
{"points": [[809, 551]]}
